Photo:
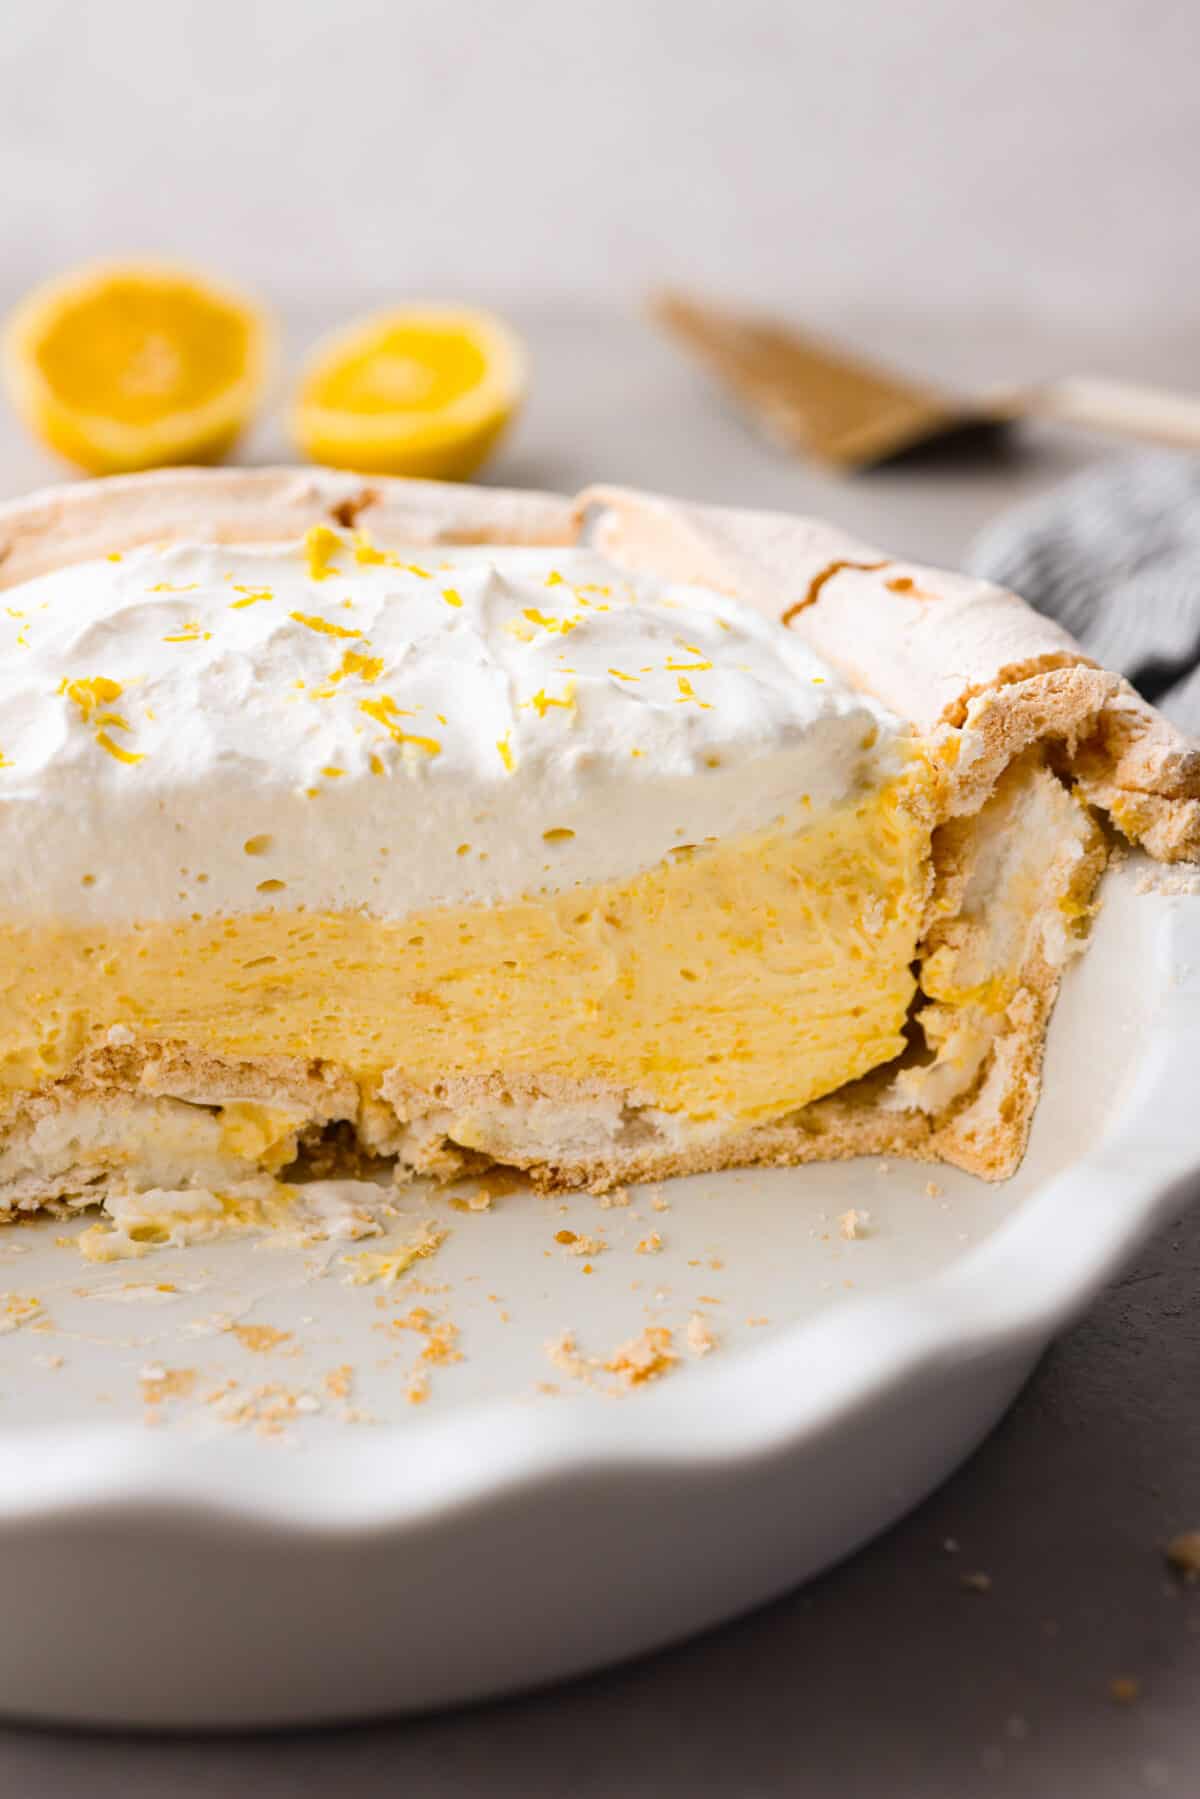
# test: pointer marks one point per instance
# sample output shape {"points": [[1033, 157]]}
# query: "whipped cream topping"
{"points": [[200, 729]]}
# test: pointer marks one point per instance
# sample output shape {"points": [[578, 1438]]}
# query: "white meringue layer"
{"points": [[203, 729]]}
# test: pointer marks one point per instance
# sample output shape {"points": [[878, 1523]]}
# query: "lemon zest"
{"points": [[321, 544], [115, 749], [542, 701], [367, 668], [367, 552], [90, 692], [385, 712], [323, 624], [562, 625], [687, 692]]}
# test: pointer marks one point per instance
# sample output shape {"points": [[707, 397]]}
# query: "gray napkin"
{"points": [[1114, 555]]}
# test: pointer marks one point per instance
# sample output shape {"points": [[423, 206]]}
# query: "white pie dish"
{"points": [[186, 1575]]}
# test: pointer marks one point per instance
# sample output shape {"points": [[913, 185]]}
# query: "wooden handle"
{"points": [[1121, 407]]}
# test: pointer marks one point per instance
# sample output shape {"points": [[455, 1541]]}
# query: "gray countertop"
{"points": [[886, 1677]]}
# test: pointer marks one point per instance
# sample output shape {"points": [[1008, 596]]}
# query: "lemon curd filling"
{"points": [[738, 980]]}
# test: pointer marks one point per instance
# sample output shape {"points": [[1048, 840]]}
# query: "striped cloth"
{"points": [[1114, 555]]}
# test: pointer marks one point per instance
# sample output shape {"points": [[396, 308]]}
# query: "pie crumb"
{"points": [[338, 1381], [644, 1358], [854, 1224], [701, 1338], [1125, 1688], [260, 1338], [387, 1266], [160, 1383], [977, 1582], [651, 1245], [17, 1309], [1183, 1554], [439, 1336], [563, 1351], [577, 1245], [1165, 881]]}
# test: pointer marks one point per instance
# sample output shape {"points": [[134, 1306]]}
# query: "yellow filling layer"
{"points": [[740, 980]]}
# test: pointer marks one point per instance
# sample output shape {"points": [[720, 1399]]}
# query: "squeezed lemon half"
{"points": [[123, 366], [423, 391]]}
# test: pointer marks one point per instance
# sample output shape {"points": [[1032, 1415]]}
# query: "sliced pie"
{"points": [[608, 839]]}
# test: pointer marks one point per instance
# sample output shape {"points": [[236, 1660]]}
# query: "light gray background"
{"points": [[984, 191], [1040, 155]]}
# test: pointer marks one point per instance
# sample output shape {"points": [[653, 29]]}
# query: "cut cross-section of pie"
{"points": [[606, 839]]}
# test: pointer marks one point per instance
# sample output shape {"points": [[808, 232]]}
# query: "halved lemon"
{"points": [[424, 391], [123, 366]]}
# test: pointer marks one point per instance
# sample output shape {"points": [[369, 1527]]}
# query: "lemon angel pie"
{"points": [[606, 839]]}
